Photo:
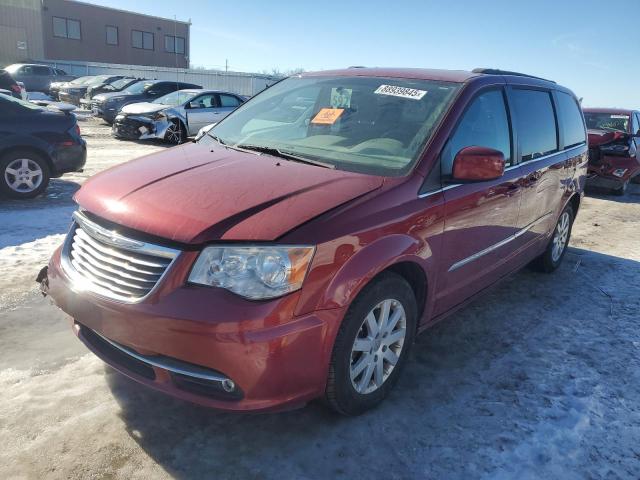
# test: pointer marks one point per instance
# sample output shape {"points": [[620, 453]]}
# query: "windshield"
{"points": [[176, 98], [607, 121], [118, 84], [138, 87], [20, 103], [370, 125], [80, 81], [98, 80], [12, 68]]}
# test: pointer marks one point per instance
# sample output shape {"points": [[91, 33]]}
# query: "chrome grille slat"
{"points": [[102, 283], [107, 263], [87, 249], [114, 253], [75, 259]]}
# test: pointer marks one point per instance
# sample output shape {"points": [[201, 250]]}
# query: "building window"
{"points": [[174, 44], [112, 35], [142, 40], [66, 28]]}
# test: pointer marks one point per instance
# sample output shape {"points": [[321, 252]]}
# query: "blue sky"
{"points": [[571, 42]]}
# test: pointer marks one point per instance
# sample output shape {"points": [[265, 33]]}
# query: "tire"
{"points": [[176, 133], [351, 393], [551, 259], [620, 192], [23, 174]]}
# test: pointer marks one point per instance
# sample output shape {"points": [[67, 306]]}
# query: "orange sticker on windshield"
{"points": [[327, 116]]}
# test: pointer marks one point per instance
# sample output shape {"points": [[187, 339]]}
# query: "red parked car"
{"points": [[614, 148], [295, 251]]}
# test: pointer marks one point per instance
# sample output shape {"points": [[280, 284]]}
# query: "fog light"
{"points": [[620, 172], [228, 385]]}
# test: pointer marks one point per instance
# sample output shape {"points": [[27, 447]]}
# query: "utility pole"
{"points": [[226, 65]]}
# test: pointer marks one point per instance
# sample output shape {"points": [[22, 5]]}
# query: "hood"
{"points": [[143, 107], [601, 137], [194, 194]]}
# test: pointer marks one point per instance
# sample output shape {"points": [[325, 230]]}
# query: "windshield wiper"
{"points": [[275, 152]]}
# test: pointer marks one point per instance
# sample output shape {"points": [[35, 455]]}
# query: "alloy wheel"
{"points": [[23, 175], [174, 133], [561, 236], [377, 346]]}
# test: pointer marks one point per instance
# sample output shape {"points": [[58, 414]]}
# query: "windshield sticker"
{"points": [[619, 116], [327, 116], [402, 92], [341, 97]]}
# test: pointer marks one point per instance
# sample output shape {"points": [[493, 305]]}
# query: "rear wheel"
{"points": [[176, 133], [553, 255], [25, 174], [372, 345]]}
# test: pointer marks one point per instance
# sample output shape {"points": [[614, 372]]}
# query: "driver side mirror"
{"points": [[478, 164], [192, 105]]}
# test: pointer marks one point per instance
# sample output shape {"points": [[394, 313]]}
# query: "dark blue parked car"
{"points": [[36, 144]]}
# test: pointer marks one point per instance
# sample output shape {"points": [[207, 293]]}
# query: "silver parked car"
{"points": [[175, 116], [36, 77]]}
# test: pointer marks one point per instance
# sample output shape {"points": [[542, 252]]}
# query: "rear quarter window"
{"points": [[571, 123], [536, 123]]}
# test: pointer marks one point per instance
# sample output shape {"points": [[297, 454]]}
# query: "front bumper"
{"points": [[275, 360], [601, 172], [137, 127]]}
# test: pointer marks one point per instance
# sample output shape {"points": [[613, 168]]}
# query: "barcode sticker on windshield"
{"points": [[403, 92], [619, 116]]}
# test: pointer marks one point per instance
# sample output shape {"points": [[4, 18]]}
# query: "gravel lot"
{"points": [[538, 379]]}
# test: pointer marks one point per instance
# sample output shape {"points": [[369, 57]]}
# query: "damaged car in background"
{"points": [[108, 105], [175, 116], [116, 85], [614, 153], [74, 93]]}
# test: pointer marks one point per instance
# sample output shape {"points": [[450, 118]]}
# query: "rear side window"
{"points": [[572, 126], [635, 124], [228, 101], [484, 124], [536, 123]]}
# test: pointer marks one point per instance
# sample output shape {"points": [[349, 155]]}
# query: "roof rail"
{"points": [[496, 71]]}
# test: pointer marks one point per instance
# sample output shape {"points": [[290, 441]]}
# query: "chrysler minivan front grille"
{"points": [[105, 262]]}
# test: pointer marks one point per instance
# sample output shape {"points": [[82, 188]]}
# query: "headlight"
{"points": [[619, 172], [254, 272], [158, 116]]}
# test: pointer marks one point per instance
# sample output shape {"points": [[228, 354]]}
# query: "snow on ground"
{"points": [[538, 379]]}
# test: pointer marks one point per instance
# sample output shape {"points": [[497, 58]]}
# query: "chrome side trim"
{"points": [[169, 364], [495, 246], [440, 190]]}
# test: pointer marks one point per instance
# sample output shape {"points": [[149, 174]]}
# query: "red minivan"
{"points": [[296, 250]]}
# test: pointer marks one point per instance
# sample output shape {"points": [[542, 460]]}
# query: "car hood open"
{"points": [[142, 108], [198, 193]]}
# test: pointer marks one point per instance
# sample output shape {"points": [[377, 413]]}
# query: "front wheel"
{"points": [[176, 133], [25, 174], [552, 257], [372, 345]]}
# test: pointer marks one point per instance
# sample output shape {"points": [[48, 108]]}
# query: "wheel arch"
{"points": [[400, 254], [33, 149]]}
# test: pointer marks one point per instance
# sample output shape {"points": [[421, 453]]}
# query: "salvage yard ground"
{"points": [[538, 379]]}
